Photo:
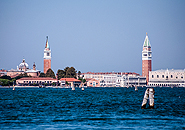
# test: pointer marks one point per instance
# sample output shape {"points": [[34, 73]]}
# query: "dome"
{"points": [[23, 64]]}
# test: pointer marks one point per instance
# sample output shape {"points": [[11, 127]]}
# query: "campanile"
{"points": [[47, 56], [146, 58]]}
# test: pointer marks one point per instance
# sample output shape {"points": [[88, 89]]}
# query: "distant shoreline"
{"points": [[88, 87], [19, 86]]}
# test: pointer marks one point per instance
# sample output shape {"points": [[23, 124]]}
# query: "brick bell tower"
{"points": [[47, 56], [146, 58]]}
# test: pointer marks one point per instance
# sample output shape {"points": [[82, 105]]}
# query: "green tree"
{"points": [[25, 75], [50, 73], [61, 74], [14, 81], [83, 80], [71, 73], [68, 72], [42, 75], [67, 83], [21, 76], [18, 77], [5, 77], [6, 80], [79, 73], [65, 71], [53, 84]]}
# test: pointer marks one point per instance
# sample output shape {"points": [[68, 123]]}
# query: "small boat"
{"points": [[82, 88]]}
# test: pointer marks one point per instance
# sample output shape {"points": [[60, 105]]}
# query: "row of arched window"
{"points": [[164, 85], [162, 76]]}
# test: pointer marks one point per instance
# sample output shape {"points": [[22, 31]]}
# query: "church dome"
{"points": [[23, 65]]}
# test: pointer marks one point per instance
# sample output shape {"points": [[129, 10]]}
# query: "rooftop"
{"points": [[70, 79], [39, 78], [106, 73], [89, 79], [169, 70]]}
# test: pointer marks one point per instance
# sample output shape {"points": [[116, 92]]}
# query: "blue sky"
{"points": [[96, 35]]}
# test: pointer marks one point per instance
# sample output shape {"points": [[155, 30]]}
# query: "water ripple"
{"points": [[94, 108]]}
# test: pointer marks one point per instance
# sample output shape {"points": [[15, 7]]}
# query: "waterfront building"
{"points": [[125, 80], [146, 58], [31, 81], [116, 79], [104, 78], [89, 75], [72, 82], [167, 78], [121, 81], [92, 82], [135, 81], [109, 80], [47, 56], [14, 72], [22, 69]]}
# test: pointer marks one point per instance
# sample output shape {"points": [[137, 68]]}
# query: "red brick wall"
{"points": [[47, 64], [146, 67]]}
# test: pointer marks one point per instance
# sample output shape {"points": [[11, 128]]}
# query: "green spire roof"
{"points": [[47, 44], [146, 42]]}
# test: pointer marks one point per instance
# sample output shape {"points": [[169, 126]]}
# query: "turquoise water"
{"points": [[93, 108]]}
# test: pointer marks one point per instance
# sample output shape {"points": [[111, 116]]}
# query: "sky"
{"points": [[92, 35]]}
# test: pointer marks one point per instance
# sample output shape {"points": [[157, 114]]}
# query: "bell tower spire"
{"points": [[47, 44], [47, 56], [146, 58]]}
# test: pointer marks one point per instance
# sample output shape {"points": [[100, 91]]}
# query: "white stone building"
{"points": [[125, 80], [116, 79], [22, 69], [167, 78]]}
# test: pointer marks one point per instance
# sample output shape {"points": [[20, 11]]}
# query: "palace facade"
{"points": [[167, 78]]}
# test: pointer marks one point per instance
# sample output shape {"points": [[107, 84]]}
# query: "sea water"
{"points": [[93, 108]]}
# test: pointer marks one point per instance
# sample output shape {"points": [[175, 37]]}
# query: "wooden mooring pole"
{"points": [[149, 94], [151, 98], [145, 99]]}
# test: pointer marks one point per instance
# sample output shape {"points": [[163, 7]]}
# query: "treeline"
{"points": [[49, 73], [68, 72], [8, 81]]}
